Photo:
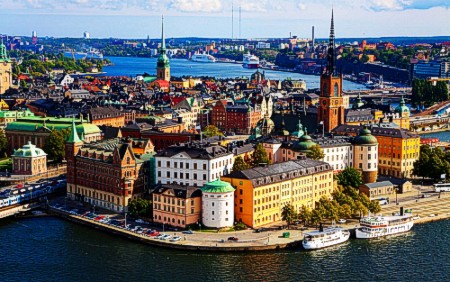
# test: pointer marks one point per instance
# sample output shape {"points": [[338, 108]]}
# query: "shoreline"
{"points": [[429, 210]]}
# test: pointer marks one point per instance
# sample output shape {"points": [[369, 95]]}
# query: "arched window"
{"points": [[336, 90]]}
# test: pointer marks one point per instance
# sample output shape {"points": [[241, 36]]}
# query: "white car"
{"points": [[175, 239], [166, 237], [342, 220], [139, 221]]}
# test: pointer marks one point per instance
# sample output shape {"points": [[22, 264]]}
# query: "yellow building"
{"points": [[5, 70], [398, 148], [262, 192]]}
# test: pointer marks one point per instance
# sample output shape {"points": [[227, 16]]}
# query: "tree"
{"points": [[55, 144], [350, 177], [3, 142], [140, 207], [374, 207], [315, 153], [259, 156], [304, 214], [211, 131], [240, 164], [288, 214]]}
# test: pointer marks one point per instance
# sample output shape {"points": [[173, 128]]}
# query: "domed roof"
{"points": [[218, 186], [266, 121], [29, 150], [402, 108], [358, 102], [365, 137], [299, 133], [304, 143]]}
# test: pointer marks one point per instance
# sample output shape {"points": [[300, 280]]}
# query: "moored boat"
{"points": [[250, 61], [379, 226], [203, 58], [325, 237]]}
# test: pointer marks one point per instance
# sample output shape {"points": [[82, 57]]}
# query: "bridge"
{"points": [[13, 210]]}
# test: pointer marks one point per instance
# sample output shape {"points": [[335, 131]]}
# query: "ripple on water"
{"points": [[49, 249]]}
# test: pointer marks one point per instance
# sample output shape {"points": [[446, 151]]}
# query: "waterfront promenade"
{"points": [[426, 209]]}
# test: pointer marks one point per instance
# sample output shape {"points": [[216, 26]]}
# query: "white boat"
{"points": [[379, 226], [92, 53], [325, 237], [203, 58], [250, 61]]}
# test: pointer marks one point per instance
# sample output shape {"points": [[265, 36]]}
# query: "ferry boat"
{"points": [[92, 53], [379, 226], [203, 58], [325, 237], [250, 61]]}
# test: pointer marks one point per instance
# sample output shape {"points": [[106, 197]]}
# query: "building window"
{"points": [[168, 174], [204, 166], [240, 191], [195, 165], [167, 164]]}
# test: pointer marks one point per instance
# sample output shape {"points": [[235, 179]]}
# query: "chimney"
{"points": [[214, 151]]}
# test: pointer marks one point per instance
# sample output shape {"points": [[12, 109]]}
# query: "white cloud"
{"points": [[301, 6], [398, 5], [191, 6]]}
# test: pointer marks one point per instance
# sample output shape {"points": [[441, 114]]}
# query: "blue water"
{"points": [[50, 249], [132, 66], [443, 136]]}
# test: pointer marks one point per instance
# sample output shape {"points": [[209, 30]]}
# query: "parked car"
{"points": [[166, 237], [175, 239], [233, 239], [188, 232], [139, 221], [259, 230], [342, 220], [154, 233]]}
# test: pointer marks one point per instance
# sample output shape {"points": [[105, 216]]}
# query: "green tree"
{"points": [[55, 144], [374, 207], [304, 214], [240, 164], [288, 214], [211, 130], [3, 142], [315, 153], [259, 156], [140, 207], [350, 177]]}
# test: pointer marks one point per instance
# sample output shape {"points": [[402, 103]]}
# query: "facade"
{"points": [[262, 192], [193, 164], [239, 118], [37, 129], [365, 155], [331, 103], [176, 205], [106, 174], [29, 160], [218, 204], [398, 149], [378, 189], [5, 70], [109, 116]]}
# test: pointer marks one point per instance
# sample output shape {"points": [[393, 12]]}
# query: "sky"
{"points": [[212, 18]]}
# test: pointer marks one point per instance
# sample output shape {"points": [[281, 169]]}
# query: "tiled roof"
{"points": [[195, 151]]}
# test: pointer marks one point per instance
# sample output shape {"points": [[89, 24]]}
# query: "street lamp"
{"points": [[125, 220], [396, 195], [163, 227]]}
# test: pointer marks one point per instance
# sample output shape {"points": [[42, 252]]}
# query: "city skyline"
{"points": [[213, 18]]}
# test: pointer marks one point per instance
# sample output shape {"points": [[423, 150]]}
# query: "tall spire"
{"points": [[331, 56], [73, 137], [163, 40]]}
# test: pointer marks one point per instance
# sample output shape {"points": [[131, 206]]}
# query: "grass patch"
{"points": [[5, 164]]}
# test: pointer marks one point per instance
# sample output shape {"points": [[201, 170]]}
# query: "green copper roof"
{"points": [[3, 54], [32, 123], [402, 108], [365, 137], [304, 143], [299, 133], [218, 186], [358, 102], [73, 138], [29, 150]]}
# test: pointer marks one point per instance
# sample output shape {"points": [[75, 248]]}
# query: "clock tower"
{"points": [[5, 69], [331, 102]]}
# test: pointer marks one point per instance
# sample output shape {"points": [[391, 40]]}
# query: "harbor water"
{"points": [[51, 249], [132, 66]]}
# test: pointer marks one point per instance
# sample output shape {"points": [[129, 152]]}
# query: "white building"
{"points": [[192, 164], [263, 45], [365, 148], [86, 35], [218, 204]]}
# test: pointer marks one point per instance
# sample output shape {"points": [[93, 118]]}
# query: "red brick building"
{"points": [[238, 118]]}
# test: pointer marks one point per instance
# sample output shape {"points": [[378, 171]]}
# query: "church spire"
{"points": [[331, 56], [163, 40], [73, 138]]}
